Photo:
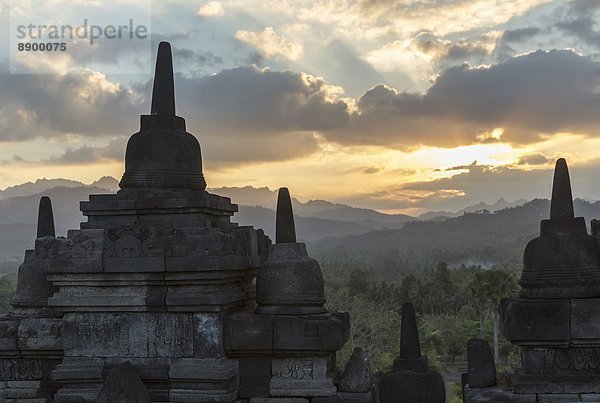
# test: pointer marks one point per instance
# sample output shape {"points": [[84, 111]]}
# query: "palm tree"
{"points": [[486, 289]]}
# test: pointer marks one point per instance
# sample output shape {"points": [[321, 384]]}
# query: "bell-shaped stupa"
{"points": [[411, 380], [290, 282], [33, 288], [162, 154], [564, 261]]}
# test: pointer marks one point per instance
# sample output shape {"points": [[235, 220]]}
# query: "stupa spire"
{"points": [[561, 205], [45, 224], [163, 92], [410, 348], [285, 230]]}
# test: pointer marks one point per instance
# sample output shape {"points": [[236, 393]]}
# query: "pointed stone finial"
{"points": [[45, 224], [163, 93], [561, 205], [410, 347], [285, 231]]}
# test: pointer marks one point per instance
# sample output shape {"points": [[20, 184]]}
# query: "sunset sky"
{"points": [[396, 105]]}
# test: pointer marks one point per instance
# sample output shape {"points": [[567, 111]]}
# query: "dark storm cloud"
{"points": [[488, 184], [583, 28], [477, 183], [250, 114], [247, 114], [451, 52], [47, 105], [482, 183], [511, 38], [578, 19], [533, 159], [531, 95], [351, 71], [520, 34], [239, 115], [584, 6], [247, 100], [254, 59], [371, 170], [195, 58], [114, 151]]}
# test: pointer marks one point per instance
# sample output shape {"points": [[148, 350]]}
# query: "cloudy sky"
{"points": [[397, 105]]}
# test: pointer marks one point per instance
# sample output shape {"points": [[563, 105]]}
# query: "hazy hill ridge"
{"points": [[474, 238], [499, 205], [314, 219], [387, 243], [41, 185]]}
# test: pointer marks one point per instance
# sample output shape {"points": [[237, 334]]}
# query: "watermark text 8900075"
{"points": [[42, 47]]}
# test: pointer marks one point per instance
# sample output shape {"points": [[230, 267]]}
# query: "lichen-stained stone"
{"points": [[8, 336], [255, 376], [482, 369], [123, 385], [203, 380], [327, 332], [33, 287], [536, 322], [300, 376], [496, 395], [40, 334], [357, 373], [585, 322], [208, 335], [245, 332], [410, 386]]}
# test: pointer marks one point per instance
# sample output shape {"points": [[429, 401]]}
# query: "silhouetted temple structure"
{"points": [[154, 298], [159, 297], [556, 319]]}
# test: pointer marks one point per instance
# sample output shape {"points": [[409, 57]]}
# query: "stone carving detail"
{"points": [[173, 335], [77, 246], [20, 370], [215, 243], [80, 247], [131, 242], [581, 316], [46, 248], [101, 330], [8, 329], [578, 359], [179, 245], [296, 368], [39, 328]]}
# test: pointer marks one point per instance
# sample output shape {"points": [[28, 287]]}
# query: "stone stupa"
{"points": [[150, 276], [287, 347], [555, 320], [154, 297]]}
